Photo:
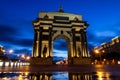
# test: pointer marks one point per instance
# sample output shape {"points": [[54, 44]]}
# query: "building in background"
{"points": [[2, 56], [112, 46], [109, 50]]}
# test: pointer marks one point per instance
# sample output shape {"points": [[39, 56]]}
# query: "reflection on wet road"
{"points": [[55, 72], [60, 76]]}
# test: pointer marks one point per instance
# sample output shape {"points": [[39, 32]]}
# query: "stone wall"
{"points": [[48, 61], [41, 61], [81, 61]]}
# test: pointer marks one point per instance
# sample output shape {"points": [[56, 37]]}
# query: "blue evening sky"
{"points": [[16, 16]]}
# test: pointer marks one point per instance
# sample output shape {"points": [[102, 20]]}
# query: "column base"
{"points": [[41, 61], [80, 61]]}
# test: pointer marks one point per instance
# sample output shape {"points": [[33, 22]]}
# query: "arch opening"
{"points": [[60, 50]]}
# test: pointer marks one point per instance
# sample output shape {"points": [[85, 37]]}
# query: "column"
{"points": [[50, 41], [34, 43], [78, 46], [82, 42], [40, 41], [74, 43], [86, 48]]}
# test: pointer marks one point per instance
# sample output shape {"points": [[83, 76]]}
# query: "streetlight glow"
{"points": [[28, 58], [23, 56], [11, 51], [96, 51]]}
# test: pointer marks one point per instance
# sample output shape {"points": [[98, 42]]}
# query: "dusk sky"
{"points": [[16, 16]]}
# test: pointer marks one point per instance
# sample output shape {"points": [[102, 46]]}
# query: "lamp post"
{"points": [[98, 52], [24, 57], [8, 52]]}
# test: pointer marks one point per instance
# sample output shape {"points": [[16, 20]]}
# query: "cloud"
{"points": [[22, 51], [96, 38], [60, 53], [10, 36], [60, 44], [18, 52], [105, 34], [90, 46], [23, 42], [7, 33]]}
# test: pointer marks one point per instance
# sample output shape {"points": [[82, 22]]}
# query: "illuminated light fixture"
{"points": [[6, 64], [23, 56], [26, 73], [28, 57], [11, 51], [12, 63], [118, 62], [96, 51], [1, 63]]}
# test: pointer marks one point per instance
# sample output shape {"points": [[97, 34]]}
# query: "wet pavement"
{"points": [[61, 72], [62, 68]]}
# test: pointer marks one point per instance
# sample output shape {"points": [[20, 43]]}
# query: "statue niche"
{"points": [[44, 51]]}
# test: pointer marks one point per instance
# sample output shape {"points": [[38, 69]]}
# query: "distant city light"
{"points": [[23, 56], [11, 51], [28, 57], [118, 62]]}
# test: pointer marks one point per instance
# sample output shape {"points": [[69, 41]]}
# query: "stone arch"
{"points": [[64, 36], [52, 25]]}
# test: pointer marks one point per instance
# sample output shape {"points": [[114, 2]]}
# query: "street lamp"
{"points": [[28, 58], [8, 53], [98, 52], [24, 57]]}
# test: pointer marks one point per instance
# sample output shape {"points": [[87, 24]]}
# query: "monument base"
{"points": [[71, 61], [41, 61], [81, 61]]}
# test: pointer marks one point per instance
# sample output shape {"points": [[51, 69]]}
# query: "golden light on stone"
{"points": [[3, 51]]}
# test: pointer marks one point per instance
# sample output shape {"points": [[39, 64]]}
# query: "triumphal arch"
{"points": [[53, 25]]}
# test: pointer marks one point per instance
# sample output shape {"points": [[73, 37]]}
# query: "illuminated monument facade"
{"points": [[53, 25]]}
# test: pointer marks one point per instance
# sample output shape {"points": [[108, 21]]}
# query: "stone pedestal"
{"points": [[41, 61], [81, 61]]}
